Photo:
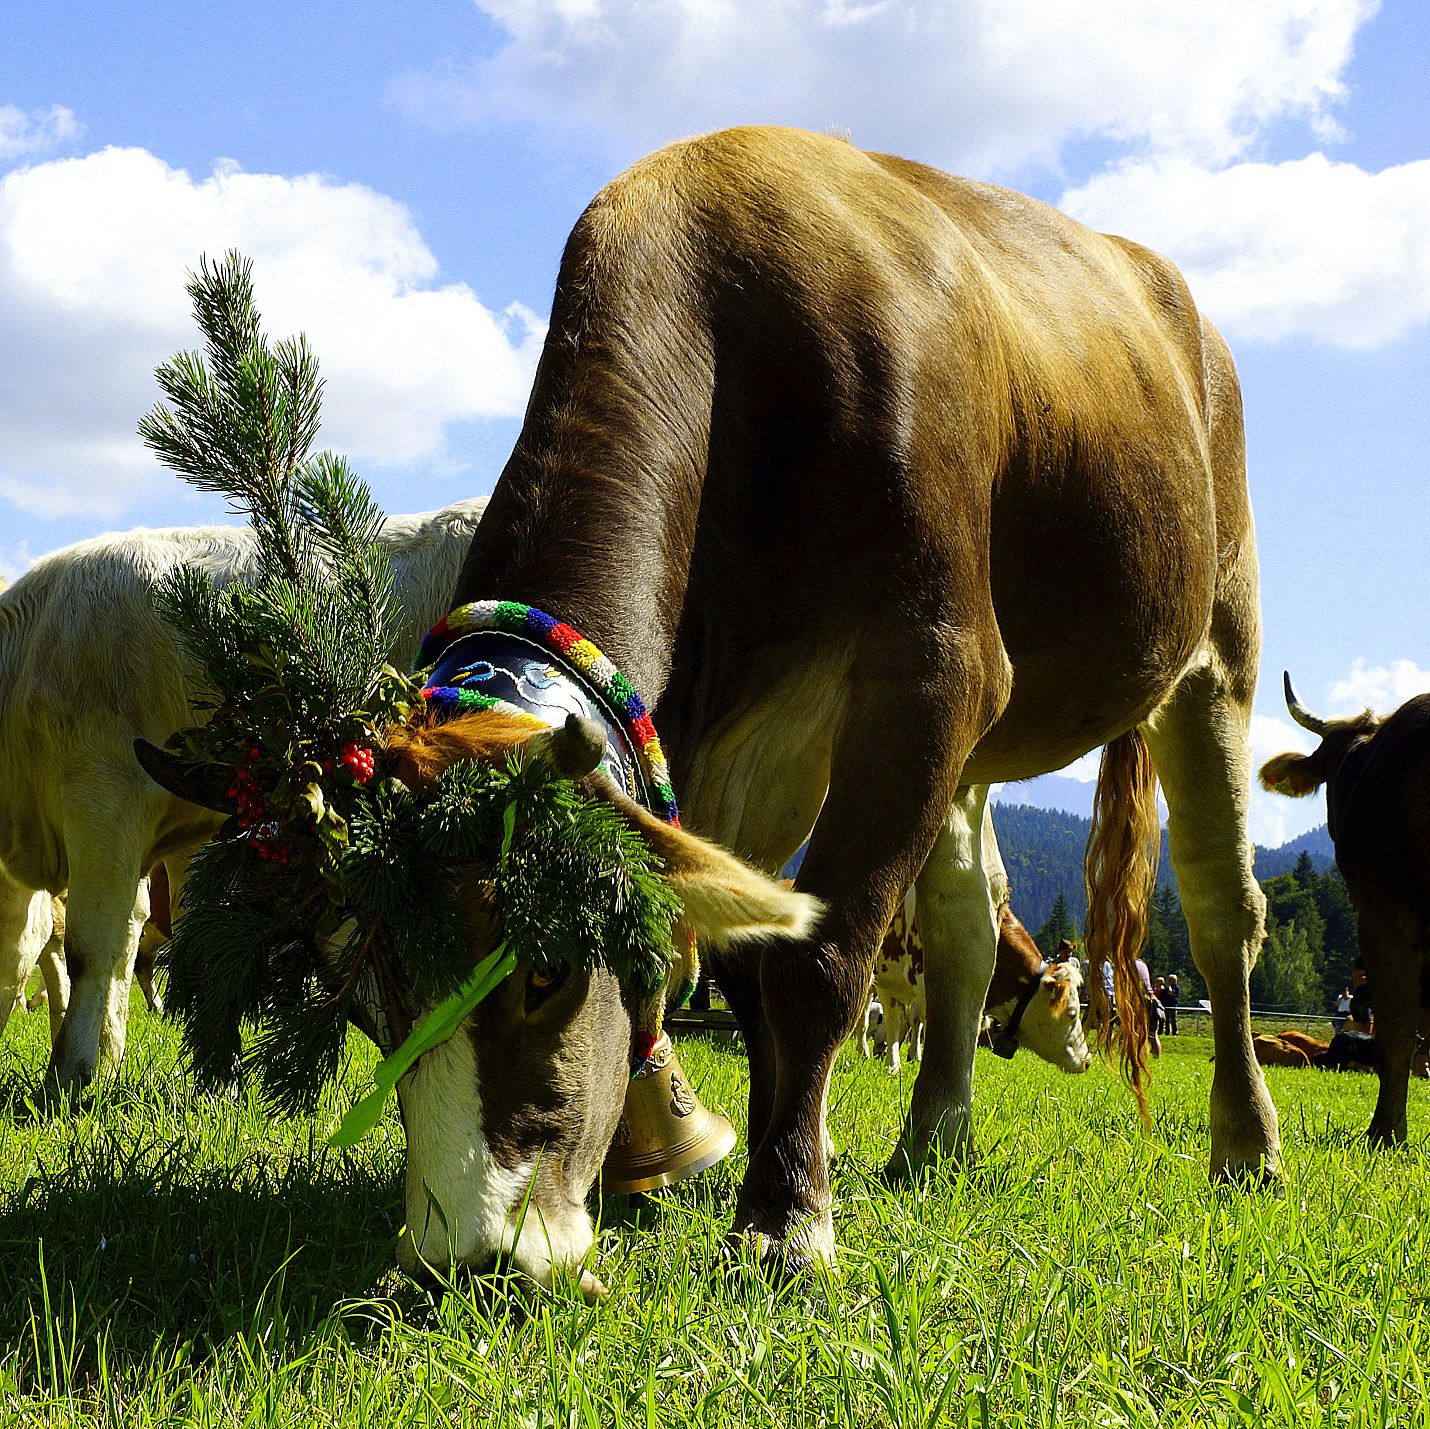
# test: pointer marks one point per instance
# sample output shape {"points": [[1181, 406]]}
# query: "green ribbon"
{"points": [[434, 1029]]}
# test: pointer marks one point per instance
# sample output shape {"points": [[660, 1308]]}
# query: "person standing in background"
{"points": [[1171, 998], [1343, 1010]]}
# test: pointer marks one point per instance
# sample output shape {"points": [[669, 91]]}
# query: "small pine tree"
{"points": [[1058, 926], [331, 870]]}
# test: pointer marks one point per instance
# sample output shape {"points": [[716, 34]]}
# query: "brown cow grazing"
{"points": [[879, 486], [1377, 778]]}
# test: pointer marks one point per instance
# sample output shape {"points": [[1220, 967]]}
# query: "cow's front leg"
{"points": [[785, 1206], [883, 812], [108, 906], [958, 922]]}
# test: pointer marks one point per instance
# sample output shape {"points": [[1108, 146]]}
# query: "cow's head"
{"points": [[1051, 1021], [508, 1122], [1342, 740]]}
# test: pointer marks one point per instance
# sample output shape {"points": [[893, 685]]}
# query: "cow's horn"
{"points": [[199, 784], [1299, 712], [577, 747]]}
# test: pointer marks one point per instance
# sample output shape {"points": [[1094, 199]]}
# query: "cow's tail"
{"points": [[1121, 872]]}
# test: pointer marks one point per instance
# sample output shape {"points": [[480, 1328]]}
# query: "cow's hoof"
{"points": [[908, 1164], [1252, 1177], [777, 1262], [1381, 1138], [900, 1170], [63, 1087], [782, 1246]]}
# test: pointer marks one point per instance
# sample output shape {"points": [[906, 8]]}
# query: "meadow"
{"points": [[170, 1258]]}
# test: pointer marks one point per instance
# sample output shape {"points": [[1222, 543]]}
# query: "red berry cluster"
{"points": [[358, 761], [244, 791], [269, 847], [262, 836]]}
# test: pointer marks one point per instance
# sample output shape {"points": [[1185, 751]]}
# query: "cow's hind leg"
{"points": [[1392, 955], [896, 1028], [57, 983], [958, 922], [1200, 746], [24, 930]]}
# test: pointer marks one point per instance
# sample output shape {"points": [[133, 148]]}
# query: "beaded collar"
{"points": [[573, 675], [502, 655]]}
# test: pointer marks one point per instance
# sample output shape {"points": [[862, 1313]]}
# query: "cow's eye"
{"points": [[540, 985]]}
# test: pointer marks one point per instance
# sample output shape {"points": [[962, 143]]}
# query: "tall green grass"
{"points": [[168, 1258]]}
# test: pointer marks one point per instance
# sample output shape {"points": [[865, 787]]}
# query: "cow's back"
{"points": [[87, 665], [897, 392]]}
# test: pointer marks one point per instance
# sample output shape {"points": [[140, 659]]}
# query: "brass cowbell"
{"points": [[665, 1133]]}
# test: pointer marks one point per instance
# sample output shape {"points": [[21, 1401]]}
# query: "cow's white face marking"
{"points": [[463, 1206], [1055, 1036]]}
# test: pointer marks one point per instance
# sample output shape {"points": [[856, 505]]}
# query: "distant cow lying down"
{"points": [[1313, 1047], [1346, 1052], [1030, 1002], [1277, 1052]]}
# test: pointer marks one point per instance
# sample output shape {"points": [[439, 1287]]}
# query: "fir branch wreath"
{"points": [[331, 873]]}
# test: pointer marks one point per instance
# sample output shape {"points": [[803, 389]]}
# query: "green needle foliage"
{"points": [[333, 878]]}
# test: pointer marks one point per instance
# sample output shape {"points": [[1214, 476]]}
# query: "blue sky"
{"points": [[405, 176]]}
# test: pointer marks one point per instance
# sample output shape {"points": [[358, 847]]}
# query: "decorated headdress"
{"points": [[333, 888]]}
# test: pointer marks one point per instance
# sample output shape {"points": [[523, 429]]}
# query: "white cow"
{"points": [[87, 666]]}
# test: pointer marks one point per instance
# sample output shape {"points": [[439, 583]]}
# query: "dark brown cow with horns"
{"points": [[879, 486], [1377, 778]]}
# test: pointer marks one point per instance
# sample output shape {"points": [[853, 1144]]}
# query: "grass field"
{"points": [[167, 1258]]}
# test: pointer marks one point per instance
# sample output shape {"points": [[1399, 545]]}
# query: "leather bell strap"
{"points": [[1006, 1042]]}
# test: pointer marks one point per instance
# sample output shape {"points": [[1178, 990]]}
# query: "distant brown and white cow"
{"points": [[1377, 778], [86, 665], [1030, 1002], [878, 486]]}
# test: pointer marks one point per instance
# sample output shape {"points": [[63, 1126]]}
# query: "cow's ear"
{"points": [[200, 784], [726, 901], [1294, 775]]}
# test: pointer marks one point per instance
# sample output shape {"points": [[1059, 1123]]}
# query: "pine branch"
{"points": [[243, 419]]}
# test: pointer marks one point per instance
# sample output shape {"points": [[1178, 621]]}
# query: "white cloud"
{"points": [[93, 257], [980, 84], [15, 562], [1273, 818], [1382, 688], [1305, 248], [1084, 770], [42, 131]]}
